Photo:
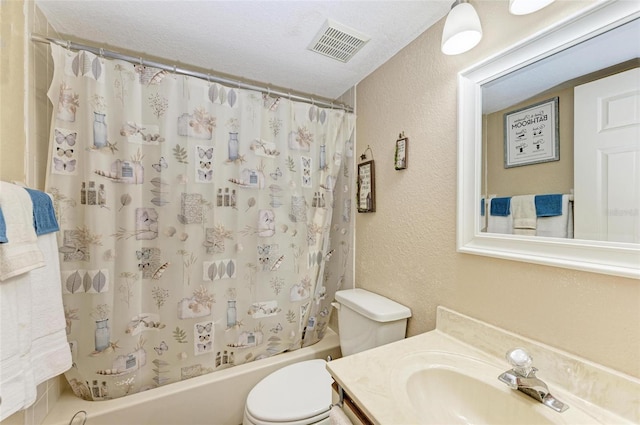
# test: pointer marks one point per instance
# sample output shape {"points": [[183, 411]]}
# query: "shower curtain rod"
{"points": [[177, 70]]}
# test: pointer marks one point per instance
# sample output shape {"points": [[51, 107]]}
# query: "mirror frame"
{"points": [[620, 259]]}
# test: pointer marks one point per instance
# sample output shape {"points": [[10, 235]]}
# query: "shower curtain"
{"points": [[197, 221]]}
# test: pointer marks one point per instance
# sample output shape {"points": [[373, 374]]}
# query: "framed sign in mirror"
{"points": [[531, 134], [366, 187]]}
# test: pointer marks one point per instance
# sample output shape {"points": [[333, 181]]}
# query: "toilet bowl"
{"points": [[300, 394]]}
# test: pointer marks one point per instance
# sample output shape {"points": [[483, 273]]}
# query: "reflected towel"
{"points": [[548, 205], [499, 223], [523, 209], [500, 206], [338, 417], [559, 226], [3, 229], [44, 217], [20, 254]]}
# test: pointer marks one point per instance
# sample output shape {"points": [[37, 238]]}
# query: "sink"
{"points": [[449, 388], [454, 398]]}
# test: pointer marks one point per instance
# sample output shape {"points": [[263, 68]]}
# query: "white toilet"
{"points": [[300, 394]]}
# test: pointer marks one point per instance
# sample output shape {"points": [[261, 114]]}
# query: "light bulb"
{"points": [[462, 30]]}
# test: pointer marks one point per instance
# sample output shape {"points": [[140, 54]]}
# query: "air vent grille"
{"points": [[338, 41]]}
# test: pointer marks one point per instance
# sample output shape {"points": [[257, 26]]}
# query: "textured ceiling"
{"points": [[264, 41]]}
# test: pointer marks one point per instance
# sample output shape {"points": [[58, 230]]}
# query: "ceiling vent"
{"points": [[338, 41]]}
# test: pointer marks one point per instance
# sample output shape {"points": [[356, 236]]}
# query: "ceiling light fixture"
{"points": [[524, 7], [462, 29]]}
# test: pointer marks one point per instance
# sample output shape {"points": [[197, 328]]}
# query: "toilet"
{"points": [[300, 394]]}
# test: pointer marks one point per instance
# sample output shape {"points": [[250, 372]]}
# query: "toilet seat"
{"points": [[296, 394]]}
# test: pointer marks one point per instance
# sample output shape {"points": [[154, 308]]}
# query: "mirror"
{"points": [[503, 84]]}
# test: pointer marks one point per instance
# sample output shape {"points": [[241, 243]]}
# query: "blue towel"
{"points": [[482, 207], [44, 217], [3, 229], [548, 205], [501, 206]]}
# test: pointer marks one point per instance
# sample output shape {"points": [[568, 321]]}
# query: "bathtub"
{"points": [[217, 398]]}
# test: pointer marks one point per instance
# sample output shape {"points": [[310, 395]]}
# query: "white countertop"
{"points": [[372, 377]]}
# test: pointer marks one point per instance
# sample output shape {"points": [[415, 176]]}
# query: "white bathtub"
{"points": [[217, 398]]}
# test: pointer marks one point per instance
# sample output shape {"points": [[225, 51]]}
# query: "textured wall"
{"points": [[406, 249]]}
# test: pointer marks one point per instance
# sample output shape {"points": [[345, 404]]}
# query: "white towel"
{"points": [[20, 254], [559, 226], [33, 341], [523, 210], [50, 353], [338, 417], [17, 383], [499, 224]]}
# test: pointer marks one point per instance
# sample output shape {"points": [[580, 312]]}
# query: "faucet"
{"points": [[523, 378]]}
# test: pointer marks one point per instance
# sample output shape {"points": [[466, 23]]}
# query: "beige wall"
{"points": [[406, 250]]}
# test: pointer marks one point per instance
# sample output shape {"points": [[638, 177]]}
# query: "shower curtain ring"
{"points": [[209, 78], [102, 52], [68, 44], [140, 60]]}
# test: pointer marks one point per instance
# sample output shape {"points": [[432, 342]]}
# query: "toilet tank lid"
{"points": [[374, 306]]}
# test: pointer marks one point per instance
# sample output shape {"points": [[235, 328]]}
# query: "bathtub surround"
{"points": [[204, 236], [214, 398]]}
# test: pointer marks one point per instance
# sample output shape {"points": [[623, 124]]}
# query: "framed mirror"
{"points": [[510, 81]]}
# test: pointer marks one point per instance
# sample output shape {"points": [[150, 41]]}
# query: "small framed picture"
{"points": [[366, 187], [402, 145], [531, 134]]}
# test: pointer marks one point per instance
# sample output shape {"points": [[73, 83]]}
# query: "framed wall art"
{"points": [[401, 156], [366, 187], [531, 134]]}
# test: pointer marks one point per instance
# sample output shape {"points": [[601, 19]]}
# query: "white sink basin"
{"points": [[448, 388]]}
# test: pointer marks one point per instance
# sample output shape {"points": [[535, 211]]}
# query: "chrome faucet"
{"points": [[523, 378]]}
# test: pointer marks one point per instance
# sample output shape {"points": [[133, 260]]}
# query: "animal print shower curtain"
{"points": [[202, 226]]}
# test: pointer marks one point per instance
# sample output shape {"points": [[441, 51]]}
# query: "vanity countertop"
{"points": [[373, 378]]}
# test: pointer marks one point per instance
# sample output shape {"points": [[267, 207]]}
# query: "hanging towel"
{"points": [[496, 221], [44, 217], [523, 209], [500, 206], [20, 254], [558, 226], [50, 353], [338, 417], [17, 383], [548, 205], [3, 229], [33, 340]]}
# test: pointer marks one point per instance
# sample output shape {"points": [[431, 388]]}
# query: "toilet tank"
{"points": [[367, 320]]}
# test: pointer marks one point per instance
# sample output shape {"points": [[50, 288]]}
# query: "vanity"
{"points": [[450, 376]]}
